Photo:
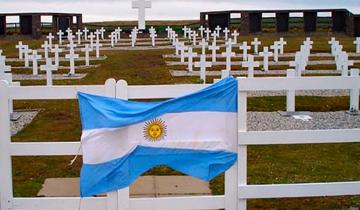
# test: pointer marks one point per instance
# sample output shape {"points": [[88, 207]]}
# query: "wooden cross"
{"points": [[20, 46], [168, 30], [226, 32], [194, 35], [91, 36], [207, 31], [266, 55], [235, 35], [250, 64], [185, 31], [102, 31], [256, 44], [118, 31], [87, 49], [79, 33], [153, 35], [276, 48], [228, 54], [50, 38], [244, 47], [214, 36], [3, 67], [357, 44], [35, 57], [86, 33], [282, 43], [203, 64], [71, 57], [203, 45], [97, 34], [56, 50], [49, 68], [133, 37], [202, 29], [26, 55], [60, 34], [112, 36], [218, 29], [213, 49], [182, 49], [190, 55], [97, 48]]}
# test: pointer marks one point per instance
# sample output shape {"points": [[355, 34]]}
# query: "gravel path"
{"points": [[25, 119], [20, 77], [266, 121]]}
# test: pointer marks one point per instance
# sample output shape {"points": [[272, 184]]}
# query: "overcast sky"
{"points": [[106, 10]]}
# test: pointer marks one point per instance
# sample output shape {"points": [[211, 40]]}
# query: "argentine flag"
{"points": [[194, 134]]}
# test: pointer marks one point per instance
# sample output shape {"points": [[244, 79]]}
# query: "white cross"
{"points": [[185, 31], [203, 64], [115, 37], [182, 49], [50, 38], [71, 57], [26, 55], [112, 36], [226, 32], [177, 47], [276, 48], [91, 36], [345, 64], [87, 51], [56, 50], [133, 37], [213, 49], [250, 64], [202, 29], [189, 32], [49, 68], [60, 34], [203, 45], [334, 46], [71, 38], [86, 33], [308, 41], [20, 46], [244, 47], [235, 35], [207, 31], [265, 54], [68, 31], [168, 30], [357, 44], [282, 43], [153, 35], [194, 35], [97, 48], [299, 63], [71, 47], [228, 54], [102, 31], [332, 41], [190, 55], [141, 5], [218, 29], [4, 68], [214, 36], [35, 57], [256, 44], [118, 31], [174, 35], [79, 33]]}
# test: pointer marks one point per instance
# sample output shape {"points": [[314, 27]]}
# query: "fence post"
{"points": [[6, 188], [123, 195], [354, 93], [290, 96], [242, 150]]}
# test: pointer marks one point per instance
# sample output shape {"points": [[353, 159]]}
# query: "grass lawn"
{"points": [[58, 120]]}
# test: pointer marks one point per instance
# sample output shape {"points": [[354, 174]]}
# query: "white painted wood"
{"points": [[290, 95], [242, 149], [112, 201], [59, 203], [44, 148], [303, 83], [354, 93], [299, 190], [299, 137], [6, 188]]}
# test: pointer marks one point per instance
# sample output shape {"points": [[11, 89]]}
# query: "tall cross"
{"points": [[49, 68], [282, 43], [185, 31], [141, 5], [26, 55], [79, 33], [207, 31], [56, 50], [50, 38], [276, 48], [86, 31], [250, 64], [235, 35], [244, 47], [265, 54], [228, 54], [214, 36], [102, 31], [71, 57], [97, 34], [203, 64], [203, 45], [218, 29], [97, 48], [226, 32], [213, 49], [256, 44], [35, 57], [190, 55], [202, 29], [194, 35], [87, 51], [20, 46], [357, 44], [60, 34], [92, 36]]}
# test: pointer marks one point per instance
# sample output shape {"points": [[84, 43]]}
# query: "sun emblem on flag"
{"points": [[155, 130]]}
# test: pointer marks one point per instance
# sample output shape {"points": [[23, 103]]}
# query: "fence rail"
{"points": [[237, 191]]}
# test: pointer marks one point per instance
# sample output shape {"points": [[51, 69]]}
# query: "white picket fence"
{"points": [[236, 189]]}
